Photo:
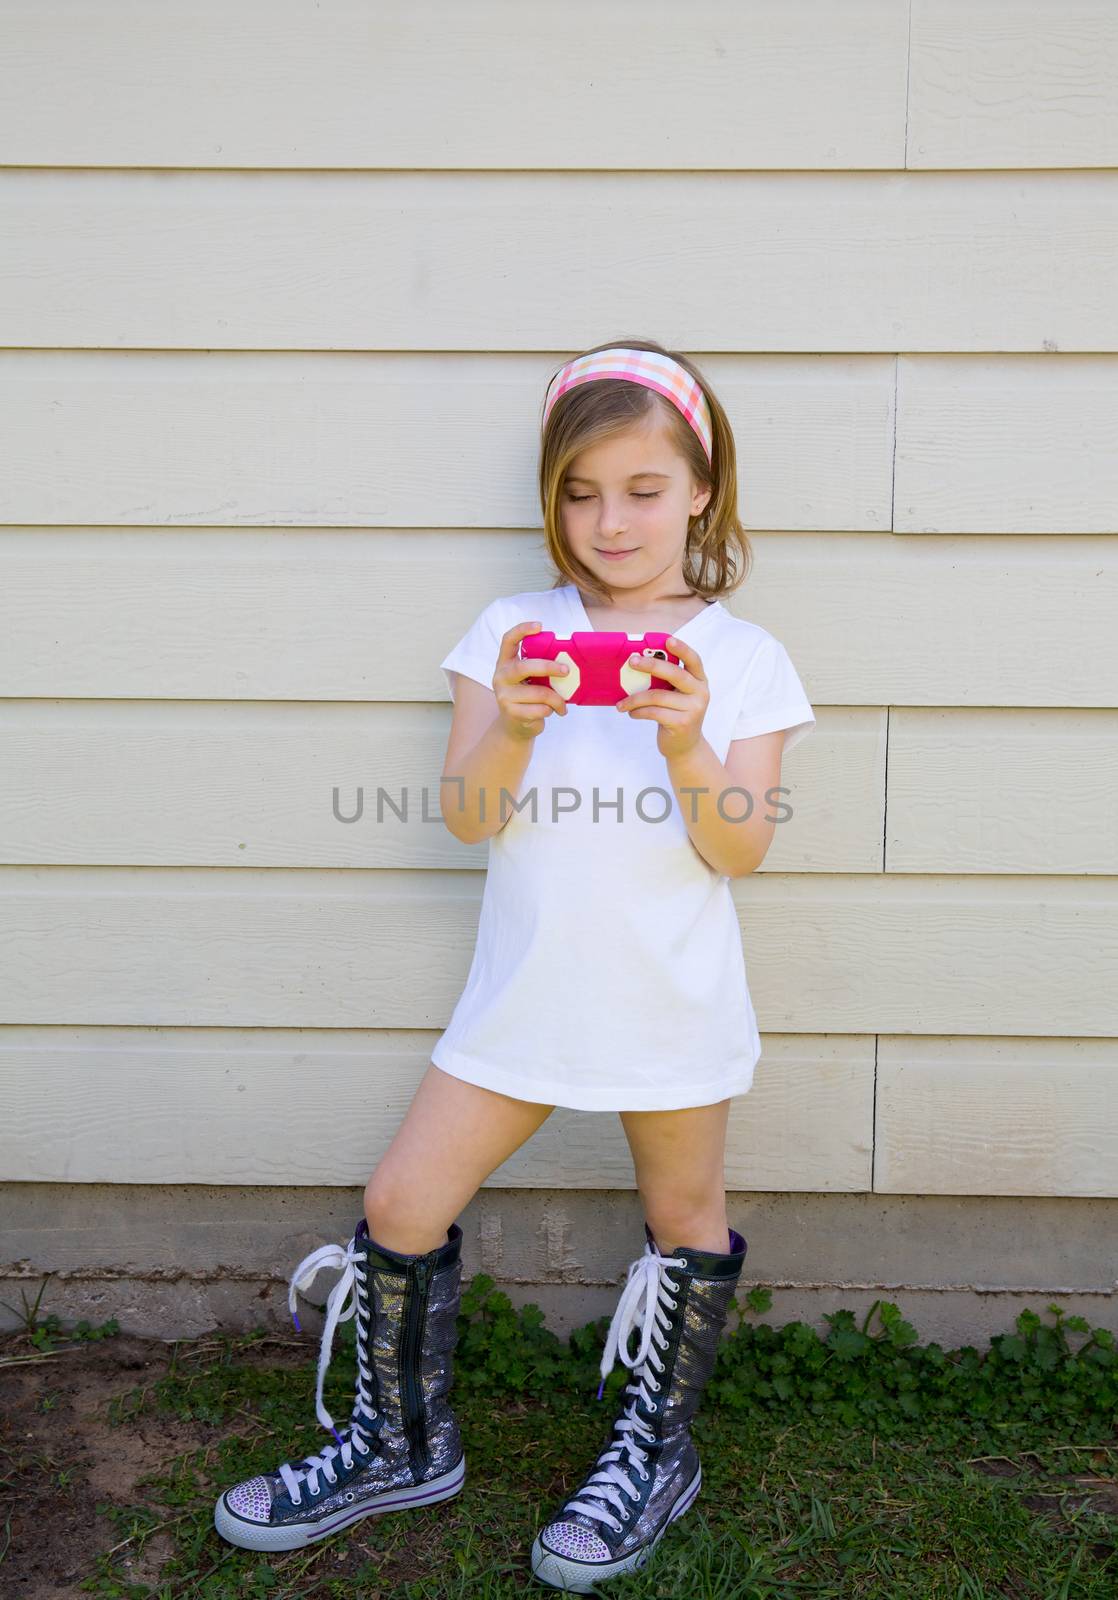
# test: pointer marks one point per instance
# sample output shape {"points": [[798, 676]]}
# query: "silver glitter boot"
{"points": [[648, 1472], [401, 1446]]}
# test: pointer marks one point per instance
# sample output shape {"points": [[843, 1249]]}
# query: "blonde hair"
{"points": [[718, 555]]}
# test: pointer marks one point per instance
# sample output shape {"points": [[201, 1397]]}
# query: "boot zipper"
{"points": [[415, 1419]]}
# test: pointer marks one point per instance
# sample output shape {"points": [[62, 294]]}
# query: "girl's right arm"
{"points": [[491, 737]]}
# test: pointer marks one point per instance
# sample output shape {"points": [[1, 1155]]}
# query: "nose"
{"points": [[610, 521]]}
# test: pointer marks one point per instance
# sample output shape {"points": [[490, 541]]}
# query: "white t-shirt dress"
{"points": [[609, 973]]}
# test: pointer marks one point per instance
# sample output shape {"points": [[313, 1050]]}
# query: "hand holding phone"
{"points": [[598, 669], [522, 685]]}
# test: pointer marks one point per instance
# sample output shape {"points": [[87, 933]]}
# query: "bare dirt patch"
{"points": [[79, 1430], [60, 1455]]}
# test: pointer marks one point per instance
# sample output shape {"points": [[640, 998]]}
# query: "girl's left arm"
{"points": [[725, 807]]}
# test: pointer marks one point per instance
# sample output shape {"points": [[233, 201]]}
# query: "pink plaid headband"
{"points": [[654, 371]]}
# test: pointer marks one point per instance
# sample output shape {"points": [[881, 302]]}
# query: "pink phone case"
{"points": [[600, 674]]}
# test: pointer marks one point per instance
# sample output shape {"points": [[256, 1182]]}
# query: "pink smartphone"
{"points": [[599, 670]]}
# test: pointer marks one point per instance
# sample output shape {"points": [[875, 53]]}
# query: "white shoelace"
{"points": [[346, 1259], [642, 1299]]}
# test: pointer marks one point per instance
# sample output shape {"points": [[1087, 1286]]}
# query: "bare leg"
{"points": [[680, 1162], [453, 1136]]}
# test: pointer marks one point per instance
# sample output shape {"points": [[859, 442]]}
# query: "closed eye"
{"points": [[653, 495]]}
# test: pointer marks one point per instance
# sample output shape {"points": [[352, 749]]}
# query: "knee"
{"points": [[381, 1198], [676, 1213]]}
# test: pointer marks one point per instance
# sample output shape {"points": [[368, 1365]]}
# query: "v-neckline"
{"points": [[572, 588]]}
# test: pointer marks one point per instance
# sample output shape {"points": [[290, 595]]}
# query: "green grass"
{"points": [[793, 1503]]}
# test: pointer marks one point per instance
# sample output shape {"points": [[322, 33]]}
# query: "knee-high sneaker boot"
{"points": [[401, 1446], [648, 1472]]}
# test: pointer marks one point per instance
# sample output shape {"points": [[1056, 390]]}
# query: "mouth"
{"points": [[616, 555]]}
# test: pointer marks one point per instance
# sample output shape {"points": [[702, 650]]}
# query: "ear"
{"points": [[701, 499]]}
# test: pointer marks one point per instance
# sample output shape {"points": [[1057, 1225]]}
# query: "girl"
{"points": [[608, 973]]}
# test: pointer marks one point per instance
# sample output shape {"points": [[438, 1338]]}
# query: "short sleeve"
{"points": [[773, 697], [476, 652]]}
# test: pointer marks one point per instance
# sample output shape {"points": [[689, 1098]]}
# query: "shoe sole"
{"points": [[294, 1535], [581, 1577]]}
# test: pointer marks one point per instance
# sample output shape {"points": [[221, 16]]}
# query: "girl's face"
{"points": [[634, 493]]}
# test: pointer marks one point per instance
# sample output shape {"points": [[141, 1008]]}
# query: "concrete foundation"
{"points": [[177, 1261]]}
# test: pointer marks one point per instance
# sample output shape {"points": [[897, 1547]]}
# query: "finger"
{"points": [[532, 694], [536, 694], [657, 668], [653, 697], [690, 657], [529, 666], [533, 667], [511, 638], [666, 716], [682, 684]]}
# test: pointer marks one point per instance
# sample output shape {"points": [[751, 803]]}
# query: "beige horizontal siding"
{"points": [[355, 439], [208, 784], [113, 782], [982, 444], [270, 383], [208, 1105], [997, 1116], [933, 1115], [302, 614], [429, 84], [415, 261], [408, 83], [1002, 791], [1013, 83], [1007, 444], [314, 948]]}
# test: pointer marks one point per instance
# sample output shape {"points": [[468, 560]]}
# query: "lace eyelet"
{"points": [[350, 1497], [296, 1501], [626, 1516], [643, 1476]]}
